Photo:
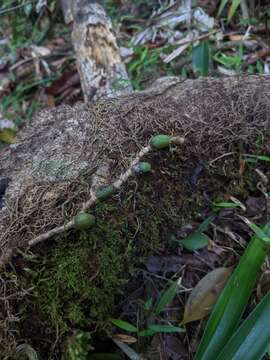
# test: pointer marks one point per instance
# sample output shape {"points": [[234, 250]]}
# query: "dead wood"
{"points": [[98, 57], [51, 166]]}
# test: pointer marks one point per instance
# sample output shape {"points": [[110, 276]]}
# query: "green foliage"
{"points": [[251, 340], [124, 325], [230, 62], [78, 283], [16, 100], [234, 4], [201, 58], [145, 63], [165, 299], [195, 241], [255, 158], [27, 26], [229, 309]]}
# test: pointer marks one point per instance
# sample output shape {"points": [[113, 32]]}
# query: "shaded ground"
{"points": [[64, 282], [59, 297]]}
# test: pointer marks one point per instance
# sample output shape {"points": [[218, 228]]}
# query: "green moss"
{"points": [[79, 279]]}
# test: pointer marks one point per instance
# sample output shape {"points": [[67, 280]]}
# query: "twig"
{"points": [[7, 10], [93, 199]]}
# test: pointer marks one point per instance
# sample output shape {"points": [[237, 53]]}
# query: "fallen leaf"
{"points": [[205, 294], [125, 338], [236, 37], [7, 136]]}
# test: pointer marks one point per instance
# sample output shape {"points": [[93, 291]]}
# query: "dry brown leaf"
{"points": [[236, 37], [125, 338], [205, 294], [8, 136]]}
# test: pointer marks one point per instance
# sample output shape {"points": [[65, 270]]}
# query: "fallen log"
{"points": [[62, 147]]}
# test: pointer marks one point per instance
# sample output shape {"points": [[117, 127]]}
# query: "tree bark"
{"points": [[98, 57]]}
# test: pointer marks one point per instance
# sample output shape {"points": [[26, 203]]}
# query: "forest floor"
{"points": [[47, 291]]}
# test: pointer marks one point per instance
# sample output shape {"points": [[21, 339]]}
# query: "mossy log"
{"points": [[66, 153], [68, 150]]}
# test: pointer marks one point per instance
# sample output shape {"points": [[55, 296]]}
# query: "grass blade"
{"points": [[233, 300], [165, 328], [251, 340], [233, 8], [221, 7], [166, 298], [124, 325]]}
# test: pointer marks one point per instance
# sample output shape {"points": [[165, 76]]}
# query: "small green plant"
{"points": [[197, 239], [230, 62], [223, 338], [153, 311], [234, 4], [144, 64]]}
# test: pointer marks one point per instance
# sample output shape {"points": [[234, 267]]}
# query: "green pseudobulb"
{"points": [[160, 141], [84, 221]]}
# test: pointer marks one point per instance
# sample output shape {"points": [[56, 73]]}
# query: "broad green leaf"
{"points": [[165, 328], [233, 8], [205, 294], [232, 302], [124, 325], [194, 241], [200, 58], [251, 340], [166, 298]]}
